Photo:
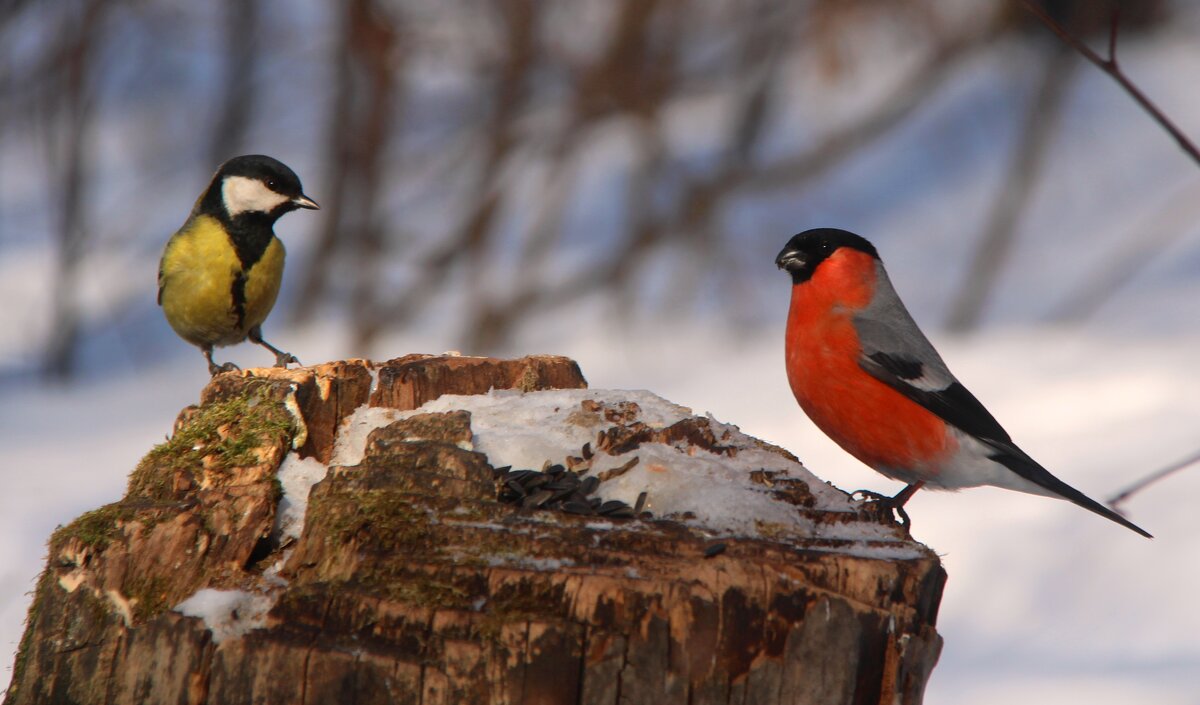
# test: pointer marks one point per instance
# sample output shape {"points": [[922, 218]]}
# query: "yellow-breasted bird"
{"points": [[220, 272]]}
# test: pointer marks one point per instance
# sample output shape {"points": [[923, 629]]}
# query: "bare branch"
{"points": [[1110, 67], [846, 141], [1152, 478]]}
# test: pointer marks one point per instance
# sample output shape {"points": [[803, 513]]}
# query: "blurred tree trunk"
{"points": [[69, 114], [995, 247], [242, 52], [361, 128]]}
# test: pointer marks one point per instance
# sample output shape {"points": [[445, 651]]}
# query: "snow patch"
{"points": [[297, 476], [525, 429], [227, 613], [710, 492], [352, 435]]}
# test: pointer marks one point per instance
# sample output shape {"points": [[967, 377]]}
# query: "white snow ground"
{"points": [[1043, 598], [523, 431]]}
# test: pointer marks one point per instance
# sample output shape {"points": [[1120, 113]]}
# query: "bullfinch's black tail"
{"points": [[1029, 469]]}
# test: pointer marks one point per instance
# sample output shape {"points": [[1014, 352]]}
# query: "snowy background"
{"points": [[1045, 602]]}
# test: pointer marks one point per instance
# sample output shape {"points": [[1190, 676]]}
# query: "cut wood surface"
{"points": [[406, 579]]}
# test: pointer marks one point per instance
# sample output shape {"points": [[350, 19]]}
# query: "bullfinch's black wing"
{"points": [[897, 353]]}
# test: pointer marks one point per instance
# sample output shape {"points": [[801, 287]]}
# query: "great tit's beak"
{"points": [[790, 259], [303, 201]]}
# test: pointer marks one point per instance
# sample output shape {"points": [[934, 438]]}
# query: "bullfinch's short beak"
{"points": [[789, 259]]}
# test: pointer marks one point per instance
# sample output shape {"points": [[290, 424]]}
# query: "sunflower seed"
{"points": [[617, 472], [536, 499], [577, 508], [515, 487], [611, 506]]}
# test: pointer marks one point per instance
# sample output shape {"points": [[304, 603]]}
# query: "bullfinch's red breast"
{"points": [[869, 378]]}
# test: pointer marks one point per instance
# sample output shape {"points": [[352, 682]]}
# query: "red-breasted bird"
{"points": [[869, 378]]}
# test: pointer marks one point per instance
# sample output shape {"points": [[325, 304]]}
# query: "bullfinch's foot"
{"points": [[876, 503], [869, 496], [879, 502]]}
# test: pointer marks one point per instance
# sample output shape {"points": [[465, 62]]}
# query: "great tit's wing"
{"points": [[160, 283]]}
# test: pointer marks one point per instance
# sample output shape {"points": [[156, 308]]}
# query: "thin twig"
{"points": [[1113, 69], [1151, 479]]}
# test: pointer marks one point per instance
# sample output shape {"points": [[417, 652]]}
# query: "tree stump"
{"points": [[403, 578]]}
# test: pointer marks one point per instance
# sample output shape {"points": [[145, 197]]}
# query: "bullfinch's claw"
{"points": [[876, 503]]}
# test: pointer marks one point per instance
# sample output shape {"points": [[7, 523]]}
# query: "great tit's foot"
{"points": [[283, 359], [214, 369]]}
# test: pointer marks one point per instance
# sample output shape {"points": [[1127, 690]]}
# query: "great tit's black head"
{"points": [[804, 252], [256, 184]]}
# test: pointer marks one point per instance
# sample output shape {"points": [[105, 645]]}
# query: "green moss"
{"points": [[147, 597], [228, 432], [31, 623], [530, 380], [386, 518], [431, 593], [528, 601], [95, 529]]}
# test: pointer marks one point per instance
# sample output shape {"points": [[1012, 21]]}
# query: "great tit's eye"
{"points": [[271, 184]]}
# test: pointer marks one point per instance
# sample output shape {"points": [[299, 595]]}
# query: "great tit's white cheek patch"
{"points": [[242, 194]]}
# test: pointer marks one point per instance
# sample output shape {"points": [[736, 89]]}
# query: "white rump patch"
{"points": [[242, 194]]}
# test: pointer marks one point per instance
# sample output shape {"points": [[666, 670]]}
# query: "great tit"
{"points": [[220, 272]]}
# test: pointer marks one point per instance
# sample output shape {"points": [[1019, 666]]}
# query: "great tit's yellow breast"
{"points": [[198, 271], [262, 284]]}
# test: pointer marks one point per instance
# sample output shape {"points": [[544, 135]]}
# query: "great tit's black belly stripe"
{"points": [[238, 291], [250, 234]]}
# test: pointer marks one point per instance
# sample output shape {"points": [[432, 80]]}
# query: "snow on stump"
{"points": [[470, 530]]}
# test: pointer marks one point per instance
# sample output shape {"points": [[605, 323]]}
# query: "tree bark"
{"points": [[412, 583]]}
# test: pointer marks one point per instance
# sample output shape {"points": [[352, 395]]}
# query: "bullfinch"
{"points": [[869, 378], [220, 272]]}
